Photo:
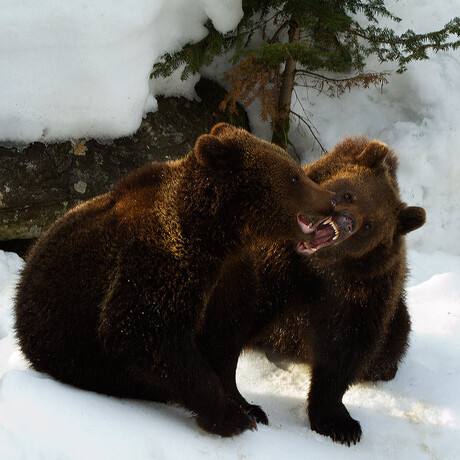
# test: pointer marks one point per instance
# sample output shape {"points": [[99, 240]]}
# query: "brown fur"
{"points": [[113, 296], [343, 308]]}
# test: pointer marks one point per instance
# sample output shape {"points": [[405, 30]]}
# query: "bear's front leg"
{"points": [[183, 376], [201, 391], [151, 337], [226, 370], [230, 314], [326, 411]]}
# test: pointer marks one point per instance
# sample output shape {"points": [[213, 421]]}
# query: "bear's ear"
{"points": [[374, 156], [210, 151], [223, 129], [410, 219]]}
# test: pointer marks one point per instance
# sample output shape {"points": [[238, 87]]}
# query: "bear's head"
{"points": [[362, 172], [265, 185]]}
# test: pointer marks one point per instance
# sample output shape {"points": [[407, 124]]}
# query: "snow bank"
{"points": [[10, 264], [81, 69], [414, 417]]}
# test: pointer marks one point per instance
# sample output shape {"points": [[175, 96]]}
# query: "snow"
{"points": [[80, 69]]}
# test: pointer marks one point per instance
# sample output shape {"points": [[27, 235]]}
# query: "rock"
{"points": [[40, 182]]}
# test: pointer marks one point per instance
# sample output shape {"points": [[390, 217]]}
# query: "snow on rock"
{"points": [[81, 69], [174, 86]]}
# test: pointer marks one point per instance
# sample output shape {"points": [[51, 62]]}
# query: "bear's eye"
{"points": [[348, 197], [367, 226], [295, 179]]}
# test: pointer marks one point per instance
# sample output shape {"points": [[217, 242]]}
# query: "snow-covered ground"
{"points": [[80, 69], [414, 417]]}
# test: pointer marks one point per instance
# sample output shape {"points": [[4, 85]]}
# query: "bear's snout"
{"points": [[347, 222], [335, 200]]}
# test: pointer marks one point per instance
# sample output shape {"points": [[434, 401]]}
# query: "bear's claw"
{"points": [[339, 428], [259, 415], [231, 421]]}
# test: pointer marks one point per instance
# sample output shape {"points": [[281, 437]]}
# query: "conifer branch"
{"points": [[328, 38], [337, 86]]}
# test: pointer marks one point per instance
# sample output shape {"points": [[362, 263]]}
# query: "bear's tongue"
{"points": [[324, 235]]}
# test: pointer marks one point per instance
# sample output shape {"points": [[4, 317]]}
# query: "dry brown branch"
{"points": [[252, 80], [296, 153]]}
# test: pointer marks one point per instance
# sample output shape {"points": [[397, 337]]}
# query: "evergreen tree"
{"points": [[283, 43]]}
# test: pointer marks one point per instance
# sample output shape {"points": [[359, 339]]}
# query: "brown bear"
{"points": [[343, 308], [233, 314], [114, 294]]}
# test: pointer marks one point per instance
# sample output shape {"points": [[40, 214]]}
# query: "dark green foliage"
{"points": [[333, 36], [407, 47], [275, 54]]}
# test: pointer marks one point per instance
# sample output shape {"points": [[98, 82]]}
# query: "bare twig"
{"points": [[337, 86], [296, 153], [278, 31], [310, 128], [306, 121], [263, 24]]}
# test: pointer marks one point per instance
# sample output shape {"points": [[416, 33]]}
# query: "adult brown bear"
{"points": [[343, 308], [113, 296]]}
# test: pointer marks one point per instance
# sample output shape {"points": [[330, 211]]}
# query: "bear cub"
{"points": [[114, 294], [343, 308]]}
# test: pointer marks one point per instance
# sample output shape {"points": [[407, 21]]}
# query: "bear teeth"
{"points": [[336, 230]]}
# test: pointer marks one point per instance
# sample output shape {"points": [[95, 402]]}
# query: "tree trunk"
{"points": [[281, 125]]}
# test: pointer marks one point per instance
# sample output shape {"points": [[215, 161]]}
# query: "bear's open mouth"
{"points": [[326, 232]]}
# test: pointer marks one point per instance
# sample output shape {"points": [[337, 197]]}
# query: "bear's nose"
{"points": [[335, 200], [347, 222]]}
